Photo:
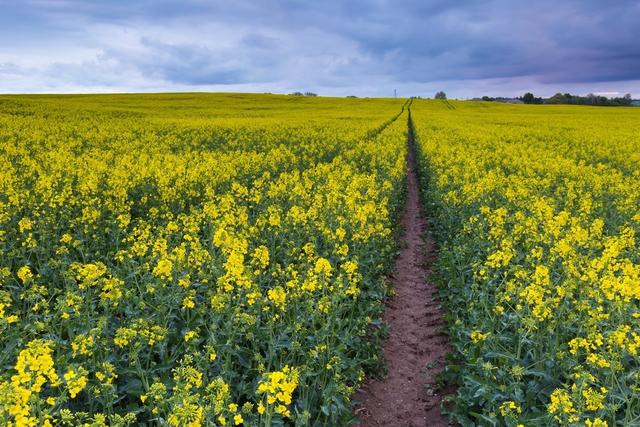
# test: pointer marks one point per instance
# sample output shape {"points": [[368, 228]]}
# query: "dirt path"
{"points": [[415, 351]]}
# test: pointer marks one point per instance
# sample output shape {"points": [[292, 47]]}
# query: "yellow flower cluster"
{"points": [[76, 380], [538, 212], [34, 368], [278, 387]]}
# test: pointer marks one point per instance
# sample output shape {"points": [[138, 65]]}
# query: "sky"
{"points": [[467, 48]]}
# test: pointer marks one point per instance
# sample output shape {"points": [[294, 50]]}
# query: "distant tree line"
{"points": [[591, 99], [528, 98], [303, 94], [566, 98]]}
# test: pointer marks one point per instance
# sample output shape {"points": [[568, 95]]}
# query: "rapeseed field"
{"points": [[193, 259], [537, 213]]}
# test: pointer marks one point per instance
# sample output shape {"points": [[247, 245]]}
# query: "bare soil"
{"points": [[417, 345]]}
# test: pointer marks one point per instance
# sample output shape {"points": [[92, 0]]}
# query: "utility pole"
{"points": [[395, 93]]}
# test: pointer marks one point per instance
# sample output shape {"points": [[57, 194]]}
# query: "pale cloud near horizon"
{"points": [[468, 48]]}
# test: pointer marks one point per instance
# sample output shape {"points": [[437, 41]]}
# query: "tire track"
{"points": [[417, 345]]}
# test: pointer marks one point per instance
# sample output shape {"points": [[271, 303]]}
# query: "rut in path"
{"points": [[415, 350]]}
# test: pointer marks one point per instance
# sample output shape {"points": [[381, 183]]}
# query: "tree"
{"points": [[528, 98], [558, 98], [441, 95]]}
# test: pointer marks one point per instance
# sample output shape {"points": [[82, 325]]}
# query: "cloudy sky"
{"points": [[466, 47]]}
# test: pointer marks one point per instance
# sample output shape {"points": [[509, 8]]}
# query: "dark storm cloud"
{"points": [[283, 44]]}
